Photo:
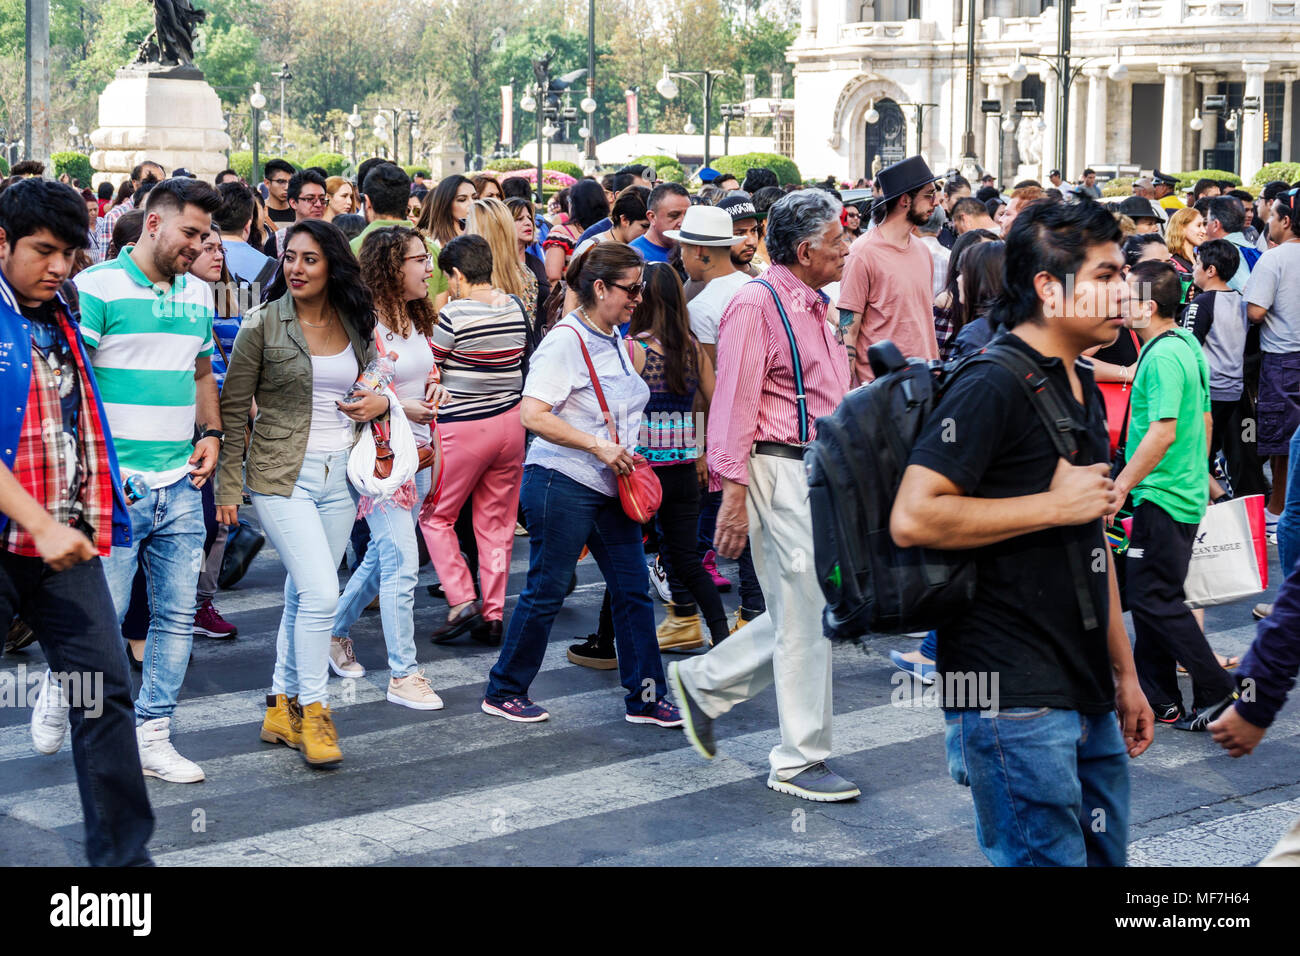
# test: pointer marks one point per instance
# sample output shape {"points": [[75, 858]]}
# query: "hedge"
{"points": [[1121, 186], [242, 163], [660, 161], [564, 166], [786, 171], [508, 165], [1286, 172], [4, 166], [412, 170], [76, 165], [334, 164], [1188, 179]]}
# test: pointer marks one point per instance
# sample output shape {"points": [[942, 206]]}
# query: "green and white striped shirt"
{"points": [[144, 340]]}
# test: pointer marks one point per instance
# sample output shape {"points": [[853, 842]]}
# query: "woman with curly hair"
{"points": [[297, 355], [486, 186], [395, 266]]}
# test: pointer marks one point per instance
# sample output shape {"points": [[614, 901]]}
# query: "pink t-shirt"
{"points": [[891, 287]]}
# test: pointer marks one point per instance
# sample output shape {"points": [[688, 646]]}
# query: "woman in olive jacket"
{"points": [[297, 355]]}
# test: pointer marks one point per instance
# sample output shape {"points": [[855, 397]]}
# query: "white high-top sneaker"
{"points": [[49, 716], [159, 758]]}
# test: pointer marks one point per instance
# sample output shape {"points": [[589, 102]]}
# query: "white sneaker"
{"points": [[343, 661], [413, 691], [159, 758], [659, 578], [49, 716]]}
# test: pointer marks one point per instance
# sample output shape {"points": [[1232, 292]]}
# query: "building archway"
{"points": [[886, 138], [848, 125]]}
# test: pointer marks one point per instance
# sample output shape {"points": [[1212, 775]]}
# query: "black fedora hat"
{"points": [[903, 177]]}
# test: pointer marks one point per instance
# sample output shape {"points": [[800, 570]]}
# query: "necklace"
{"points": [[582, 314], [324, 325]]}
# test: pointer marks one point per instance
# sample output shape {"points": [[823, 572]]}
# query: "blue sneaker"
{"points": [[661, 712], [519, 709], [922, 672]]}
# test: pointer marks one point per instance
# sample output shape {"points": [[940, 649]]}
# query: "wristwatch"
{"points": [[216, 433]]}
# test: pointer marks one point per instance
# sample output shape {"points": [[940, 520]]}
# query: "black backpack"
{"points": [[854, 468]]}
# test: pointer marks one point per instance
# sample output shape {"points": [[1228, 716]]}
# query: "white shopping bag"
{"points": [[1228, 557]]}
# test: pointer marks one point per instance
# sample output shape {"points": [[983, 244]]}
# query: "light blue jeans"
{"points": [[1288, 526], [167, 536], [309, 529], [389, 569]]}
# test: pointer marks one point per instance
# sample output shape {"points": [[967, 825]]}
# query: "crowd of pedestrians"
{"points": [[415, 367]]}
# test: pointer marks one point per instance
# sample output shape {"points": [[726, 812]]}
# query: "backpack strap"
{"points": [[1056, 418], [799, 396]]}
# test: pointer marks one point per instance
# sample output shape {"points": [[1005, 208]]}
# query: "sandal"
{"points": [[1228, 663]]}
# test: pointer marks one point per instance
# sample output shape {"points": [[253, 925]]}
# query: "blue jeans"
{"points": [[72, 614], [309, 529], [1288, 526], [563, 515], [167, 535], [1051, 787], [390, 568], [930, 646]]}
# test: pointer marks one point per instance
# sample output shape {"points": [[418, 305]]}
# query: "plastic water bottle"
{"points": [[377, 374]]}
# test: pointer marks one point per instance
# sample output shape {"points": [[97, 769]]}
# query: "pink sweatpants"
{"points": [[483, 460]]}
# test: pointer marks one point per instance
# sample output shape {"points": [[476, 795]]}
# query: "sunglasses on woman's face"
{"points": [[632, 290]]}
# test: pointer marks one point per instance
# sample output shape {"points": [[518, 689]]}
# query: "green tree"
{"points": [[232, 58]]}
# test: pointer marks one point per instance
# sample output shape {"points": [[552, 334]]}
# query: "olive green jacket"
{"points": [[270, 362]]}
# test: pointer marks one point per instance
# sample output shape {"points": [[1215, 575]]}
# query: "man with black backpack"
{"points": [[1045, 758]]}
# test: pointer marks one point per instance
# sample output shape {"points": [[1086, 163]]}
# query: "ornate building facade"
{"points": [[875, 78]]}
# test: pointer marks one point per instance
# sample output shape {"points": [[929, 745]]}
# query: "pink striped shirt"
{"points": [[754, 399]]}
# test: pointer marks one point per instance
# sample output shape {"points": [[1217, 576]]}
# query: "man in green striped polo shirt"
{"points": [[148, 326]]}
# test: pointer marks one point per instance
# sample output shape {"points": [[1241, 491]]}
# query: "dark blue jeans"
{"points": [[751, 595], [74, 619], [563, 515], [1051, 787]]}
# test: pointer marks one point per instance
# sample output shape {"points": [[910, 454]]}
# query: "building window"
{"points": [[889, 11]]}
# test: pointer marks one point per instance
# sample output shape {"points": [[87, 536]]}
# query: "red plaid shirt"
{"points": [[38, 465]]}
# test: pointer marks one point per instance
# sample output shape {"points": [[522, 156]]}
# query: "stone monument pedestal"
{"points": [[168, 115]]}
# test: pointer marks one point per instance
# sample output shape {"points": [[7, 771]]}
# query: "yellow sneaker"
{"points": [[283, 721], [320, 740], [740, 622], [680, 633]]}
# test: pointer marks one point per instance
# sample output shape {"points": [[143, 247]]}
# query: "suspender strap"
{"points": [[800, 397]]}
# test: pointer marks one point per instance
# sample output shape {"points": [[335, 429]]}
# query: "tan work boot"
{"points": [[680, 633], [283, 721], [741, 621], [320, 740]]}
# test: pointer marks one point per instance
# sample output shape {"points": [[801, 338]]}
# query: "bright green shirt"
{"points": [[1173, 381], [437, 281]]}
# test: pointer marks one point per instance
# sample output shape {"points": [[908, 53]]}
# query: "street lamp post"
{"points": [[668, 90], [412, 117], [284, 76], [1065, 77], [730, 111], [350, 134], [589, 101], [920, 122], [969, 163], [258, 102]]}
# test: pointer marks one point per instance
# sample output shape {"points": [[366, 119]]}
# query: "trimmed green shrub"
{"points": [[564, 166], [1122, 186], [242, 163], [508, 165], [1188, 179], [661, 162], [76, 165], [412, 170], [333, 163], [1286, 172], [4, 166], [786, 171]]}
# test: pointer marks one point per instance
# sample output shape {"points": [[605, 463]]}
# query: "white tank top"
{"points": [[332, 376]]}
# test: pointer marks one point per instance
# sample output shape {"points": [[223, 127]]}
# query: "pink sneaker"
{"points": [[209, 622], [710, 562]]}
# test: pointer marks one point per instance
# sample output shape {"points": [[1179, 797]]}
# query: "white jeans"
{"points": [[785, 645]]}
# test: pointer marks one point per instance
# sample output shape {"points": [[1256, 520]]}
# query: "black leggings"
{"points": [[678, 521]]}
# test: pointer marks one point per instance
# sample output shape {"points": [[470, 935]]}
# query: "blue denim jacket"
{"points": [[15, 381]]}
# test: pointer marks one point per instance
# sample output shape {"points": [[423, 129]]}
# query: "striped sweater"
{"points": [[479, 349]]}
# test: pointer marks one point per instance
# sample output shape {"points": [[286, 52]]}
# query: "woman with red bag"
{"points": [[571, 494], [395, 266]]}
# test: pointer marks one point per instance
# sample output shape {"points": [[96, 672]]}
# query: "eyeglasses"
{"points": [[279, 182], [314, 200], [423, 260], [632, 290]]}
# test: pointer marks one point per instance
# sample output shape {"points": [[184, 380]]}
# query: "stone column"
{"points": [[995, 89], [1288, 114], [1252, 124], [1074, 166], [1171, 126], [1095, 148], [1050, 160], [808, 17], [1209, 86], [1123, 121]]}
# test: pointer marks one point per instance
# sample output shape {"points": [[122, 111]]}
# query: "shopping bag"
{"points": [[1229, 556]]}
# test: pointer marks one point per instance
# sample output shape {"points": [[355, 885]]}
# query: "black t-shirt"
{"points": [[1025, 625], [1123, 351], [285, 215]]}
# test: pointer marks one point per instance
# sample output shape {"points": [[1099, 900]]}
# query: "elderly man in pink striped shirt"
{"points": [[780, 367]]}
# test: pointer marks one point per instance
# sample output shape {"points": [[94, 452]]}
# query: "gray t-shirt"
{"points": [[1275, 284], [1218, 320], [558, 376]]}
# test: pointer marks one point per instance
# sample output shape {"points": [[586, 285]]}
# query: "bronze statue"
{"points": [[172, 41]]}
